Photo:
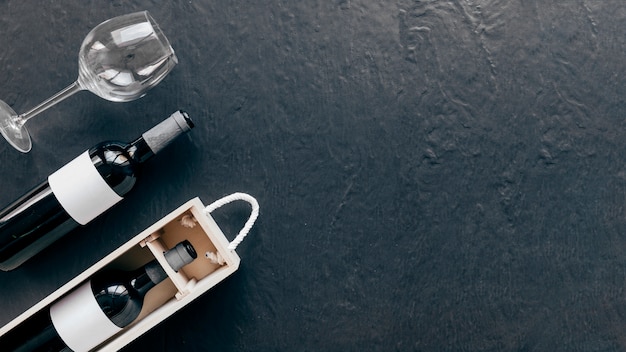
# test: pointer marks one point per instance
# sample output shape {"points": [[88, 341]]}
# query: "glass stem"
{"points": [[68, 91]]}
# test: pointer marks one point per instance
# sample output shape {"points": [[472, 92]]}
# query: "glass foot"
{"points": [[15, 133]]}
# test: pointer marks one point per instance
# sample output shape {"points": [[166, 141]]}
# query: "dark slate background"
{"points": [[432, 175]]}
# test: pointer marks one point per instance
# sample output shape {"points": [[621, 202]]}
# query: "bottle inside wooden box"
{"points": [[178, 288], [182, 282], [191, 280]]}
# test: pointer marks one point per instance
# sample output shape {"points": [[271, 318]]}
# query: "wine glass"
{"points": [[119, 60]]}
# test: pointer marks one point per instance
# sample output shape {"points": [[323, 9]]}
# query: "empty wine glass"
{"points": [[119, 60]]}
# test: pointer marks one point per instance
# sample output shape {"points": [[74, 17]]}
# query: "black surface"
{"points": [[432, 175]]}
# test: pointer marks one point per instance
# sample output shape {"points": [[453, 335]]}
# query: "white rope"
{"points": [[190, 222], [254, 214]]}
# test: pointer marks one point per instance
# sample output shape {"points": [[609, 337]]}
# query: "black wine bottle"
{"points": [[94, 311], [79, 191]]}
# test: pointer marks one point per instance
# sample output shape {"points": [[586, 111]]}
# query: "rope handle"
{"points": [[215, 257], [254, 214]]}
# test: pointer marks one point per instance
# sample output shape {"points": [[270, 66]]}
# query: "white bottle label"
{"points": [[80, 322], [80, 189]]}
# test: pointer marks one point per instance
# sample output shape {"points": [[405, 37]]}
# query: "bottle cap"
{"points": [[181, 255], [165, 132]]}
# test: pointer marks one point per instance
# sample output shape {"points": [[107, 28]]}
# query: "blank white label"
{"points": [[80, 189], [80, 322]]}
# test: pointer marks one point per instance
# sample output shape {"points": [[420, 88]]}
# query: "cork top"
{"points": [[159, 136]]}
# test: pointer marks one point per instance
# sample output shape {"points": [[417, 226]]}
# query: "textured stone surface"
{"points": [[433, 175]]}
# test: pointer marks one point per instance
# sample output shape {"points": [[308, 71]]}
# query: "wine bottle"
{"points": [[79, 191], [95, 311]]}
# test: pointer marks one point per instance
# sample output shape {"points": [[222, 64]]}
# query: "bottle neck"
{"points": [[147, 277], [139, 150], [160, 136], [153, 273]]}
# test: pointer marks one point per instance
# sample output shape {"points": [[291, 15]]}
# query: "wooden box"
{"points": [[188, 222]]}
